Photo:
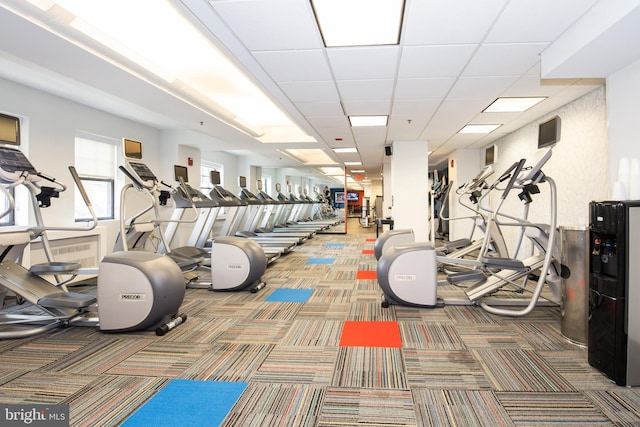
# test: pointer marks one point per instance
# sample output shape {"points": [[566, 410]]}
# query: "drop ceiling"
{"points": [[453, 60]]}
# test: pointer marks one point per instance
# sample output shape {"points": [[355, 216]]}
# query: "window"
{"points": [[95, 159], [4, 206], [205, 175], [266, 184]]}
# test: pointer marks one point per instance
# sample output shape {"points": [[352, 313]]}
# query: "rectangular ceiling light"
{"points": [[359, 121], [353, 163], [345, 150], [479, 128], [121, 32], [309, 156], [359, 22], [332, 171], [513, 105]]}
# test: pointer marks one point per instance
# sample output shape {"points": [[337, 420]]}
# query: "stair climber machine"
{"points": [[134, 291], [407, 274], [236, 263]]}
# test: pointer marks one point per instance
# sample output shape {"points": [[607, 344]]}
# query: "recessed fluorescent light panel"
{"points": [[121, 32], [309, 156], [513, 105], [361, 121], [345, 150], [332, 171], [353, 163], [359, 22], [479, 128]]}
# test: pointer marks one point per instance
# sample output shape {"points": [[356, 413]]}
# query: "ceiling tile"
{"points": [[370, 135], [431, 88], [330, 133], [289, 23], [329, 122], [534, 86], [401, 129], [295, 65], [315, 109], [536, 21], [410, 107], [367, 108], [504, 59], [446, 22], [358, 63], [320, 91], [434, 61], [481, 87], [365, 90]]}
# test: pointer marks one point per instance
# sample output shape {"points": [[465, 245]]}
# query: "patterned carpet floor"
{"points": [[456, 365]]}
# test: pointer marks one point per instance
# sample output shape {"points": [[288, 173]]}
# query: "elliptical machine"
{"points": [[407, 274], [134, 292], [236, 263]]}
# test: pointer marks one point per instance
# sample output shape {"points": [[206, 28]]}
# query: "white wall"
{"points": [[52, 126], [623, 109], [579, 163]]}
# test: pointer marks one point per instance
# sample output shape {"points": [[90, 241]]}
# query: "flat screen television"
{"points": [[490, 155], [242, 181], [181, 172], [353, 197], [9, 130], [132, 149], [215, 177], [549, 132], [339, 196]]}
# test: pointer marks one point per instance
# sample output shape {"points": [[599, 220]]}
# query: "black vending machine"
{"points": [[614, 290]]}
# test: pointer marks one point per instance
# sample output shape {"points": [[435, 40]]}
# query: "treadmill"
{"points": [[259, 221], [232, 206]]}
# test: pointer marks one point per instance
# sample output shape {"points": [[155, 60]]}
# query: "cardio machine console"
{"points": [[143, 172], [13, 164]]}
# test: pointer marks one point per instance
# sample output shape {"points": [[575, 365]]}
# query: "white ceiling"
{"points": [[453, 60]]}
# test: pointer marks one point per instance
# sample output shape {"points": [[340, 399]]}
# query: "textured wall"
{"points": [[579, 164]]}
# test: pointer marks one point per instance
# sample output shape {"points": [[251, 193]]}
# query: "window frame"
{"points": [[110, 181], [110, 202]]}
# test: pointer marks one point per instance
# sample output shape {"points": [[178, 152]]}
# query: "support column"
{"points": [[410, 187], [464, 164]]}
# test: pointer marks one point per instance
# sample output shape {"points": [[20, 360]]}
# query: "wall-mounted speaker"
{"points": [[387, 150]]}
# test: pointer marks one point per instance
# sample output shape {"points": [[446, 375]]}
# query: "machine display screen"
{"points": [[132, 149], [9, 130], [181, 172]]}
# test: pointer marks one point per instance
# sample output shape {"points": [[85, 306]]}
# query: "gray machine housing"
{"points": [[392, 238], [236, 264], [138, 290], [417, 288]]}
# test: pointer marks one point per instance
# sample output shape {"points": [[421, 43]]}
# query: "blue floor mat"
{"points": [[321, 261], [290, 295], [188, 403]]}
